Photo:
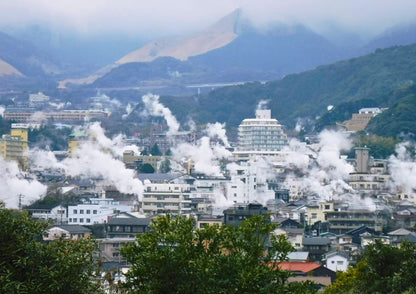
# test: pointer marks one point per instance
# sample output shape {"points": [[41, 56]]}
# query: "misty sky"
{"points": [[167, 17]]}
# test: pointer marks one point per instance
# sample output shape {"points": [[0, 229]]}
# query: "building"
{"points": [[14, 147], [341, 222], [235, 215], [73, 232], [161, 198], [126, 225], [95, 211], [208, 220], [316, 246], [56, 213], [360, 120], [337, 261], [260, 136]]}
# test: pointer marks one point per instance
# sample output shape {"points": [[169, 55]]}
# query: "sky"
{"points": [[167, 17]]}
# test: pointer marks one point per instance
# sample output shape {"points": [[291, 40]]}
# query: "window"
{"points": [[81, 211], [88, 211], [81, 220], [88, 220], [70, 220], [94, 211], [326, 206], [75, 220], [340, 262], [75, 211]]}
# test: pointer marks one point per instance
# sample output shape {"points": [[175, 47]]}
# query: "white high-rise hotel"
{"points": [[260, 136]]}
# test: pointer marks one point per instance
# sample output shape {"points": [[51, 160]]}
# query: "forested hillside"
{"points": [[368, 81]]}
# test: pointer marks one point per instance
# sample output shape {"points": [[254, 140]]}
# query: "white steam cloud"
{"points": [[2, 110], [323, 171], [262, 105], [95, 158], [14, 184], [155, 108], [403, 169], [218, 130]]}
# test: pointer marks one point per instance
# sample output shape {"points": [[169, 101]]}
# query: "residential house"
{"points": [[125, 225], [73, 232], [316, 246]]}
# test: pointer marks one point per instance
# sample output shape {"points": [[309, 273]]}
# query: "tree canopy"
{"points": [[173, 257], [383, 269], [28, 265]]}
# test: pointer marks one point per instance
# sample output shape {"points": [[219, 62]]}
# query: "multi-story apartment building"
{"points": [[95, 211], [14, 146], [260, 136], [161, 198]]}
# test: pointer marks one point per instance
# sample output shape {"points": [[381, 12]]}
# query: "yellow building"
{"points": [[318, 212], [75, 138], [14, 147]]}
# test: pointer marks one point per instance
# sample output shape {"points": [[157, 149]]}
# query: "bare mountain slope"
{"points": [[220, 34]]}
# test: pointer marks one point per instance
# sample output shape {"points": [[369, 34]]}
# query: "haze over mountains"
{"points": [[230, 50]]}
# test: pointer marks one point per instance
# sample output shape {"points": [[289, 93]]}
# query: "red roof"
{"points": [[295, 266]]}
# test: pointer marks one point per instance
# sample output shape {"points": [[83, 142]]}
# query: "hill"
{"points": [[373, 77], [25, 57]]}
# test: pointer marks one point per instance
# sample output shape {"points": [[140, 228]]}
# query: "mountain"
{"points": [[283, 49], [26, 58], [397, 35], [8, 70], [374, 77], [218, 35], [230, 50]]}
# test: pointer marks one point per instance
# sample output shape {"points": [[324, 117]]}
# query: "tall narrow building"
{"points": [[261, 136]]}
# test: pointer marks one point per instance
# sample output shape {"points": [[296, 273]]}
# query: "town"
{"points": [[329, 205]]}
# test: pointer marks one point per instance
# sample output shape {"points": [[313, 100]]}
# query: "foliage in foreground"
{"points": [[28, 265], [383, 269], [175, 258]]}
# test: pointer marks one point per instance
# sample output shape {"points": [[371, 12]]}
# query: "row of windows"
{"points": [[81, 211], [81, 220]]}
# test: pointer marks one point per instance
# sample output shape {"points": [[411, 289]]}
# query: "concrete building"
{"points": [[235, 215], [260, 136], [95, 211], [360, 120], [161, 198], [14, 147]]}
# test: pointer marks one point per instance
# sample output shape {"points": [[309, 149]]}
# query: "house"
{"points": [[308, 271], [337, 260], [125, 225], [208, 220], [294, 235], [316, 246], [110, 249], [298, 256], [48, 212], [399, 235], [73, 232]]}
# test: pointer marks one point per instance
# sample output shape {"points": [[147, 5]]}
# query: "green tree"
{"points": [[165, 166], [155, 151], [146, 168], [28, 265], [173, 257], [383, 269]]}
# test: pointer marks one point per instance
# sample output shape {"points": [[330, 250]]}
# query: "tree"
{"points": [[165, 166], [155, 151], [147, 168], [28, 265], [383, 269], [174, 258]]}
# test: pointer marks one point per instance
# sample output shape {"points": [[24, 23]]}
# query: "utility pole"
{"points": [[20, 201]]}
